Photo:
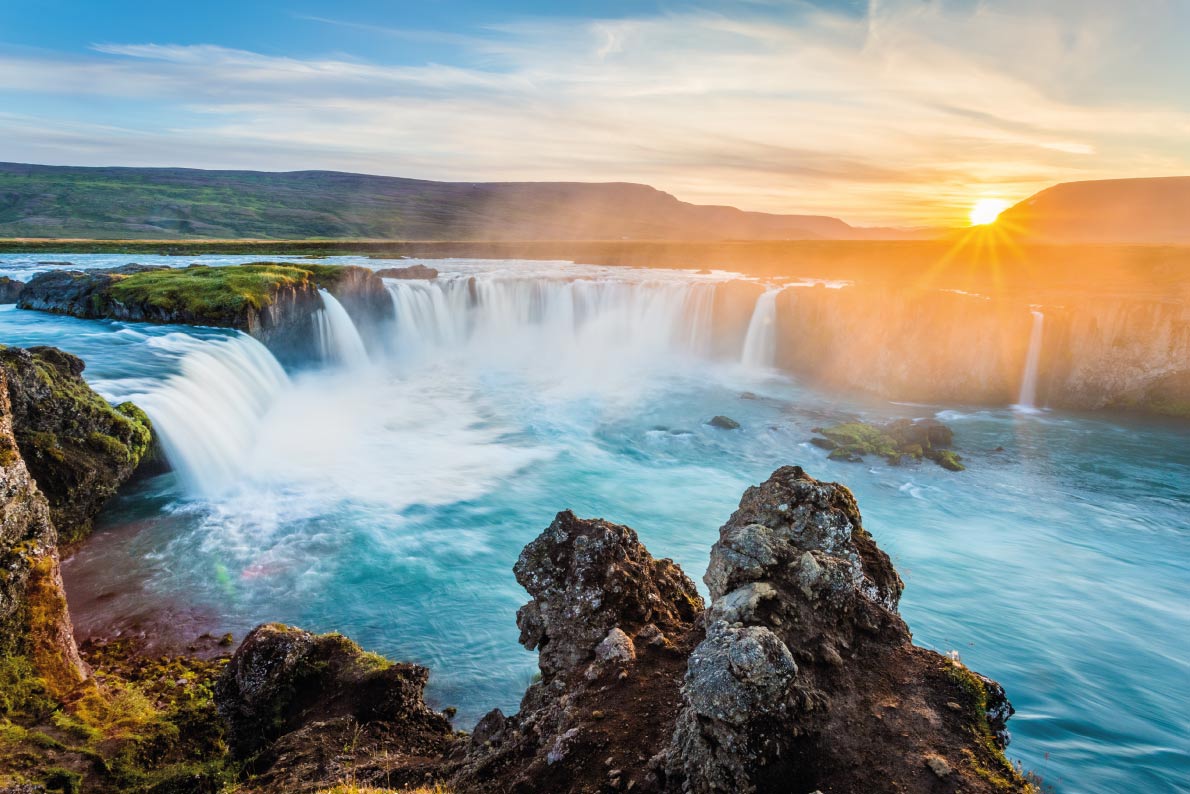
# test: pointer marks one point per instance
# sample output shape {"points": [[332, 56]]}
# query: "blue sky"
{"points": [[888, 111]]}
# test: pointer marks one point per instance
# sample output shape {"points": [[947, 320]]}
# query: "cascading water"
{"points": [[585, 320], [1027, 399], [760, 343], [208, 414], [338, 337]]}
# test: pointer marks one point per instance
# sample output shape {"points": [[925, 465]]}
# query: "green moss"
{"points": [[947, 459], [895, 441], [23, 693], [991, 765], [218, 293]]}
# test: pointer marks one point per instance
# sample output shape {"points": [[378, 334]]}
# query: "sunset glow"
{"points": [[986, 211]]}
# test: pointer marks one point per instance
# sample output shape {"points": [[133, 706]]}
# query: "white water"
{"points": [[760, 343], [1027, 399], [338, 337], [208, 415], [588, 328]]}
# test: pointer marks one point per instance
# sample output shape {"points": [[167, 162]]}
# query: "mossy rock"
{"points": [[78, 447], [896, 442]]}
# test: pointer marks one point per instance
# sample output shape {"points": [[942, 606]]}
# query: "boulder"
{"points": [[724, 423], [306, 710], [10, 289]]}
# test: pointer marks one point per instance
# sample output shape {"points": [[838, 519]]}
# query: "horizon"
{"points": [[784, 108]]}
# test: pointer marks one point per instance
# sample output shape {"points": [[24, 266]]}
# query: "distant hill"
{"points": [[167, 203], [1153, 210]]}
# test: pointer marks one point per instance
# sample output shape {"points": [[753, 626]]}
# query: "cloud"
{"points": [[901, 115]]}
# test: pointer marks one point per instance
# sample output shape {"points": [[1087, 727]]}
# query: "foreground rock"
{"points": [[35, 631], [78, 447], [274, 302], [10, 289], [808, 678], [301, 709], [896, 441], [800, 676]]}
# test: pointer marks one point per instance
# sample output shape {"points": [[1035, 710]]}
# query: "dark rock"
{"points": [[410, 272], [10, 289], [78, 447], [724, 423], [612, 626], [804, 648], [308, 711]]}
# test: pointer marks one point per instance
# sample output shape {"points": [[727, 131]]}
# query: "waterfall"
{"points": [[337, 335], [596, 321], [207, 414], [1027, 399], [760, 343]]}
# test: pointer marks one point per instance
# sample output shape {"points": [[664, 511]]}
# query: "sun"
{"points": [[986, 210]]}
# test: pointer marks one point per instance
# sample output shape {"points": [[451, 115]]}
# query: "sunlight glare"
{"points": [[986, 211]]}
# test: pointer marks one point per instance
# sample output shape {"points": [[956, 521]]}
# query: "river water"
{"points": [[386, 493]]}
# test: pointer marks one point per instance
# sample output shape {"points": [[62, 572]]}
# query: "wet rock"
{"points": [[894, 441], [724, 423], [10, 289], [410, 272]]}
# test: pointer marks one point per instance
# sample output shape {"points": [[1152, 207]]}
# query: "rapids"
{"points": [[386, 491]]}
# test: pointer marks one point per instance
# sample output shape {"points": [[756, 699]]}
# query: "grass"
{"points": [[210, 292]]}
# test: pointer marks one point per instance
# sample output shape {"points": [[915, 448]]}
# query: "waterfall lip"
{"points": [[338, 337]]}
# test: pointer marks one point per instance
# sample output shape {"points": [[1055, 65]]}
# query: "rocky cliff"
{"points": [[273, 302], [799, 676], [77, 446], [941, 346]]}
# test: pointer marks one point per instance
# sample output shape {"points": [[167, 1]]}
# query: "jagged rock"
{"points": [[34, 620], [588, 577], [77, 446], [805, 656], [612, 626], [10, 289], [410, 272]]}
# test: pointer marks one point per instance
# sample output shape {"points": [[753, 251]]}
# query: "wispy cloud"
{"points": [[902, 115]]}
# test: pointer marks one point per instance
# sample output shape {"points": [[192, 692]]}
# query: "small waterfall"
{"points": [[337, 335], [1027, 399], [207, 415], [760, 343]]}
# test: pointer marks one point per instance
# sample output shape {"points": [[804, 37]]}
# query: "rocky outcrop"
{"points": [[10, 289], [410, 272], [34, 622], [79, 448], [274, 302], [800, 676], [305, 711], [808, 679]]}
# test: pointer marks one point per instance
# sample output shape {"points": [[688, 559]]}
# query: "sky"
{"points": [[881, 112]]}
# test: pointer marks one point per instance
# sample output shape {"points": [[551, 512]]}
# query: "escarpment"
{"points": [[274, 302], [799, 676]]}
